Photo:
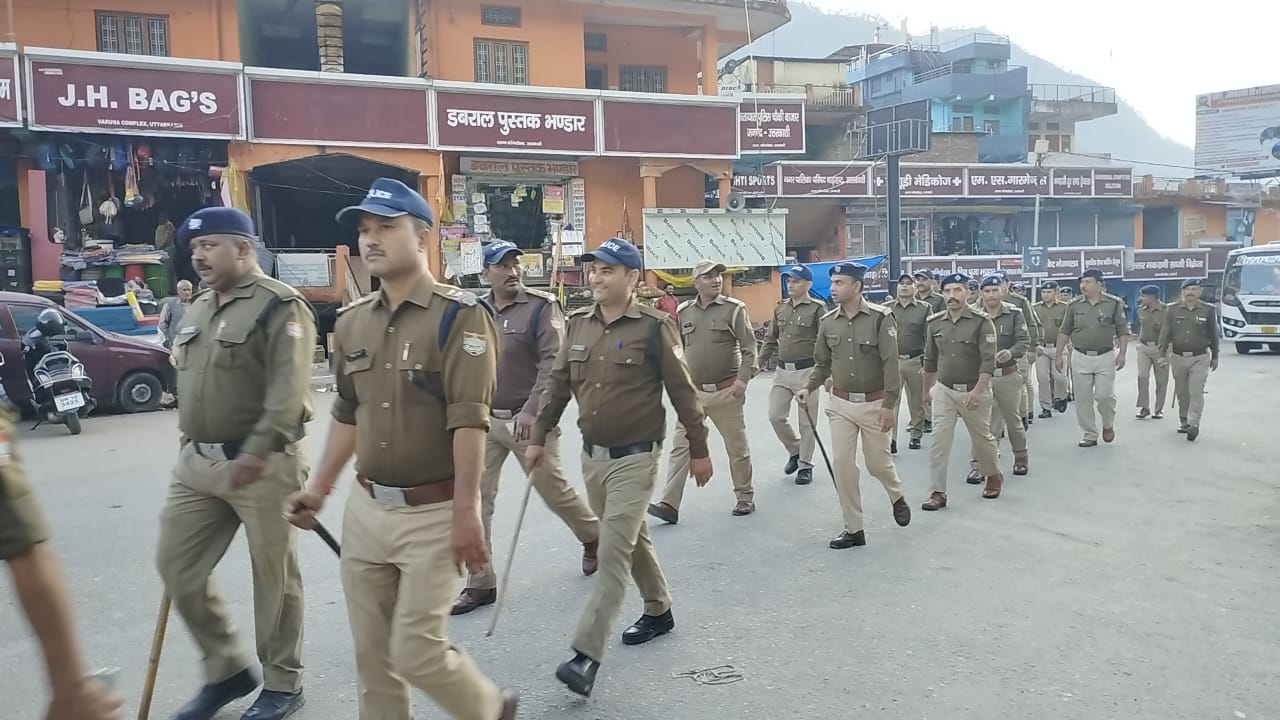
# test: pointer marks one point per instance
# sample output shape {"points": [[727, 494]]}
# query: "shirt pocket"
{"points": [[833, 341], [722, 332], [231, 348], [513, 330], [804, 320], [357, 372], [182, 347], [578, 363], [869, 346]]}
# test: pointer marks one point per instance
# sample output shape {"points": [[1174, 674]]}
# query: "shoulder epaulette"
{"points": [[541, 294], [936, 315], [829, 313], [685, 305], [356, 303], [456, 294], [580, 312], [652, 312], [735, 301]]}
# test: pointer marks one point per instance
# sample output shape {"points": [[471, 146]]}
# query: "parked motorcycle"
{"points": [[61, 391]]}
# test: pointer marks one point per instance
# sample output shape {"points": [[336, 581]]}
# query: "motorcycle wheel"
{"points": [[73, 423]]}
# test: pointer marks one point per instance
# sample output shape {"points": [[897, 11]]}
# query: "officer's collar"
{"points": [[421, 294], [244, 288], [1001, 311], [719, 300], [803, 299], [520, 297], [632, 311], [862, 308]]}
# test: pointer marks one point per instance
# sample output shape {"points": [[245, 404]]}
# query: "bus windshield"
{"points": [[1253, 275]]}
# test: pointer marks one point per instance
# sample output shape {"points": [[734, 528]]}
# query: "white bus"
{"points": [[1250, 299]]}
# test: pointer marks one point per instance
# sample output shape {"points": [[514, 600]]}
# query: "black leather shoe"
{"points": [[846, 540], [974, 477], [579, 674], [914, 444], [928, 426], [1060, 406], [793, 464], [216, 696], [893, 447], [274, 705], [804, 476], [1046, 413], [648, 627], [1193, 432]]}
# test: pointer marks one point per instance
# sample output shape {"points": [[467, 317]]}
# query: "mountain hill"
{"points": [[1126, 135]]}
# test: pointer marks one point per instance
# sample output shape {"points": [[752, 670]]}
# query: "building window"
{"points": [[962, 124], [915, 236], [500, 15], [597, 77], [596, 42], [991, 127], [133, 34], [642, 78], [502, 62], [1033, 126]]}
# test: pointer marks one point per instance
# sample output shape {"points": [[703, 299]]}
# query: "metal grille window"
{"points": [[502, 62], [500, 15], [133, 34], [642, 78]]}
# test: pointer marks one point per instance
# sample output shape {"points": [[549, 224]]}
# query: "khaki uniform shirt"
{"points": [[859, 352], [242, 380], [794, 330], [1150, 323], [934, 300], [912, 319], [615, 371], [22, 525], [1035, 331], [1011, 332], [1188, 330], [962, 349], [526, 353], [403, 392], [1095, 327], [718, 341], [1050, 317]]}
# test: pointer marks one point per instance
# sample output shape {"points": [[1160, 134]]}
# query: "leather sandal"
{"points": [[992, 490], [1020, 466]]}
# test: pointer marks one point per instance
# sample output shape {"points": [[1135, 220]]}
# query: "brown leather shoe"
{"points": [[509, 702], [901, 512], [992, 490], [1108, 434], [936, 501], [472, 599], [590, 563], [744, 507], [1020, 465], [664, 512]]}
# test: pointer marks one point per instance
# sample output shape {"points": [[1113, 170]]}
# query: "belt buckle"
{"points": [[1092, 353], [213, 451], [502, 414], [708, 387], [389, 496], [961, 388], [1188, 354], [599, 453], [788, 366], [904, 357], [857, 397]]}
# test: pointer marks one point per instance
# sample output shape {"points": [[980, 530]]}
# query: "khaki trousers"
{"points": [[400, 582], [1094, 377], [1148, 358], [619, 492], [1006, 411], [201, 516], [1189, 377], [786, 383], [1052, 381], [948, 406], [913, 391], [849, 422], [548, 480], [725, 411], [1026, 396]]}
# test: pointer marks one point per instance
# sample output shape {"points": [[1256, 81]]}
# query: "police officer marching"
{"points": [[243, 356], [1190, 338], [793, 334], [1151, 314], [415, 376], [530, 329], [616, 357], [1052, 380], [1007, 385], [1014, 295], [927, 290], [858, 350], [960, 355], [911, 315], [720, 350], [1098, 329]]}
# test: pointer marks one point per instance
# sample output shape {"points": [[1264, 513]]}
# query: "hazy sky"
{"points": [[1157, 57]]}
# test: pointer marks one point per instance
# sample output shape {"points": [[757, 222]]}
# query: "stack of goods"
{"points": [[117, 320], [48, 289], [80, 294]]}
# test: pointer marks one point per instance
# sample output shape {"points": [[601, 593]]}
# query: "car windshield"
{"points": [[1254, 275]]}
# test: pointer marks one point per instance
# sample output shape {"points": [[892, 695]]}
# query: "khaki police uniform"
{"points": [[1190, 336], [911, 319], [244, 376], [405, 395], [720, 349], [859, 352], [525, 356], [934, 300], [793, 335], [1007, 383], [1052, 381], [22, 524], [960, 351], [1150, 357], [1035, 331], [615, 371], [1093, 329]]}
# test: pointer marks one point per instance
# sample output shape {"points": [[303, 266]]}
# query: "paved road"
{"points": [[1132, 580]]}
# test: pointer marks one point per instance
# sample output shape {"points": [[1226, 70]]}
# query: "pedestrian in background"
{"points": [[911, 315], [792, 336]]}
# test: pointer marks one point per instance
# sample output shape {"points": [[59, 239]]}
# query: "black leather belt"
{"points": [[911, 355], [797, 365], [229, 450], [1190, 354], [600, 452]]}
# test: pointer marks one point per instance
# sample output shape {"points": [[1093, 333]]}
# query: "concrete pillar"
{"points": [[710, 59]]}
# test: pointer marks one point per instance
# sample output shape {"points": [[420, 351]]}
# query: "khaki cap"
{"points": [[705, 267]]}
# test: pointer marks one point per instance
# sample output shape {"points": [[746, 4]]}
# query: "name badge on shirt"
{"points": [[578, 348]]}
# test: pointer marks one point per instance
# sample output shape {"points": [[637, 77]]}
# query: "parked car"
{"points": [[129, 374]]}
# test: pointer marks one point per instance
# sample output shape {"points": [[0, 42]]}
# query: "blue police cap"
{"points": [[389, 198], [953, 279], [906, 277], [1049, 285], [923, 273], [215, 221], [799, 272], [992, 280], [973, 284], [852, 270], [1094, 273], [1191, 283], [615, 251], [1150, 290], [497, 252]]}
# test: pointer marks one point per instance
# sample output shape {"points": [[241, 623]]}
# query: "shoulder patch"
{"points": [[474, 344], [356, 303]]}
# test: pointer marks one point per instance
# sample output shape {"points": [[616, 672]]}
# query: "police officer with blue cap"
{"points": [[793, 335], [1190, 337], [243, 356], [1151, 314], [415, 367]]}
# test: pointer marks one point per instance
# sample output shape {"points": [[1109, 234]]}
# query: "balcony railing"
{"points": [[822, 98], [957, 69], [1073, 93], [893, 50], [974, 38]]}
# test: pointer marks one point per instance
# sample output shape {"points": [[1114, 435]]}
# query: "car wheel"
{"points": [[140, 392]]}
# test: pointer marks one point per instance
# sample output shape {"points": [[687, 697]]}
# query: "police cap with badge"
{"points": [[615, 251], [216, 221], [388, 198], [851, 270]]}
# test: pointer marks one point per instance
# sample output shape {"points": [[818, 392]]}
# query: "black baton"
{"points": [[328, 539]]}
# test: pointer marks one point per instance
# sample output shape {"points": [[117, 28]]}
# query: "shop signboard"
{"points": [[977, 266], [757, 184], [1064, 263], [1110, 260], [877, 278], [129, 94], [512, 167], [471, 117], [824, 180], [1008, 180], [1035, 261], [648, 125], [1011, 265], [304, 270], [10, 97], [939, 266], [1071, 182], [770, 124], [925, 181], [314, 108], [1191, 263], [1113, 182], [952, 180]]}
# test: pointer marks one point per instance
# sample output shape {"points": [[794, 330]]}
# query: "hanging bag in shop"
{"points": [[132, 197], [86, 204]]}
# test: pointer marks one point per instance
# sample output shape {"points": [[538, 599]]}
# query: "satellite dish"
{"points": [[735, 201]]}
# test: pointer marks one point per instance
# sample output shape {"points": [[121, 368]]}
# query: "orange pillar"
{"points": [[431, 190], [710, 56]]}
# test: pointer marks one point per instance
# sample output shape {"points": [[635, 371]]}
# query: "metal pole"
{"points": [[893, 193]]}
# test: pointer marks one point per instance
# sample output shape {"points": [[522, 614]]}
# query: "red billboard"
{"points": [[515, 122], [105, 94], [771, 126], [670, 129], [336, 109]]}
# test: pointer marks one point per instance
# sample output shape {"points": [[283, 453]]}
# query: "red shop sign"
{"points": [[515, 122], [1010, 180], [337, 109], [1064, 263], [10, 97], [100, 92], [692, 128], [771, 126]]}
